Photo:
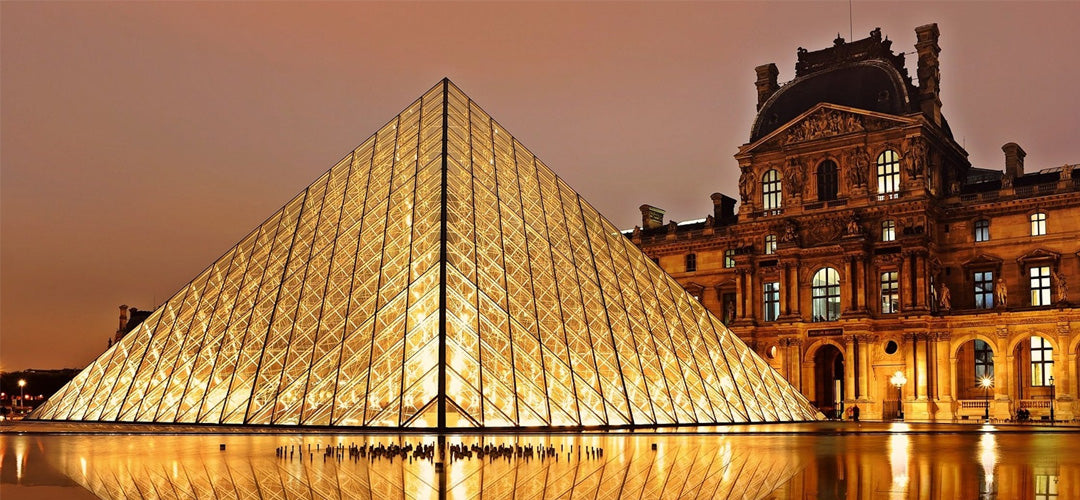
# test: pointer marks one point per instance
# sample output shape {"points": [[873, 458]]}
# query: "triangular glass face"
{"points": [[439, 276]]}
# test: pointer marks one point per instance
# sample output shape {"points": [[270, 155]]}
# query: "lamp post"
{"points": [[22, 384], [1051, 399], [898, 380], [986, 383]]}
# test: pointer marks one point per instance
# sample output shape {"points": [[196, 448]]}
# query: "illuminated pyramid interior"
{"points": [[439, 276]]}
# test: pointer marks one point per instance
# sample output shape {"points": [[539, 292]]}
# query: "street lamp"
{"points": [[986, 383], [898, 380], [22, 384]]}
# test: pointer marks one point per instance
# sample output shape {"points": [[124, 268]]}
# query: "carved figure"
{"points": [[791, 233], [917, 158], [853, 225], [795, 175], [860, 164], [1061, 287], [1001, 292], [746, 186], [946, 298], [729, 313], [826, 123]]}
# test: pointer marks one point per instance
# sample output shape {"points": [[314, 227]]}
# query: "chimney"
{"points": [[1014, 160], [123, 318], [651, 217], [723, 209], [766, 82], [929, 72]]}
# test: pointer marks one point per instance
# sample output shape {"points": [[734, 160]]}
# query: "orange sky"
{"points": [[139, 141]]}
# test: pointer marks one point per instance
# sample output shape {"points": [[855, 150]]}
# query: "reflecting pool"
{"points": [[795, 461]]}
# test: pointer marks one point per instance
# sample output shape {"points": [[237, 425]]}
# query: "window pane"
{"points": [[826, 295], [888, 172], [771, 190], [771, 304]]}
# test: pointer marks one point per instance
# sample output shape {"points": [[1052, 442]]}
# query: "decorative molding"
{"points": [[824, 123]]}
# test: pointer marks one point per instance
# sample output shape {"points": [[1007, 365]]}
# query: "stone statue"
{"points": [[795, 176], [860, 165], [917, 158], [791, 233], [1001, 292], [746, 186], [853, 225], [946, 298], [729, 313], [1061, 287]]}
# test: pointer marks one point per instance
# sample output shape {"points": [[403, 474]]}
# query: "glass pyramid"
{"points": [[439, 276]]}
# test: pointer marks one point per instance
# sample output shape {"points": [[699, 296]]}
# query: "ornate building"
{"points": [[868, 252]]}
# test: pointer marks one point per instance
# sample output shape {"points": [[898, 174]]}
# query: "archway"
{"points": [[1033, 375], [829, 380], [974, 373]]}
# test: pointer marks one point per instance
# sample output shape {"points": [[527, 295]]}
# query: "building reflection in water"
{"points": [[893, 462]]}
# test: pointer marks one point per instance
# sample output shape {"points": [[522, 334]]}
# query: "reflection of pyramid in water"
{"points": [[439, 258]]}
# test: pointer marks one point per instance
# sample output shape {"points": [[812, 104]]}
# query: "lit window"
{"points": [[984, 362], [1038, 224], [771, 197], [770, 244], [1046, 487], [984, 290], [827, 183], [982, 230], [1042, 362], [729, 258], [691, 262], [1040, 285], [888, 172], [825, 289], [772, 300], [888, 230], [890, 292]]}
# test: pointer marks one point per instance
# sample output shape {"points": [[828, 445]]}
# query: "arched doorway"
{"points": [[829, 380], [974, 372], [1033, 377]]}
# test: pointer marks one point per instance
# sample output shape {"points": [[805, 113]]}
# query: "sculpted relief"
{"points": [[858, 167], [795, 177], [746, 185], [917, 154], [826, 123]]}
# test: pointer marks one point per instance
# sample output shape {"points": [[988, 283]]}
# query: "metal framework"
{"points": [[439, 276]]}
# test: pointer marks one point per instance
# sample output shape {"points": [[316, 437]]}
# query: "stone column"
{"points": [[920, 282], [851, 364], [866, 344], [784, 309], [860, 266], [943, 376], [740, 294], [909, 390], [905, 282], [921, 378]]}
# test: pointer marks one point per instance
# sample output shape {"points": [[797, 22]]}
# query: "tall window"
{"points": [[1040, 285], [888, 230], [890, 292], [770, 190], [984, 290], [770, 244], [825, 289], [982, 230], [827, 183], [729, 258], [1042, 362], [772, 300], [984, 361], [1038, 224], [888, 172], [691, 262]]}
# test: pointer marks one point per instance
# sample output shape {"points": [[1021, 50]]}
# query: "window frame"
{"points": [[1043, 368], [889, 288], [691, 262], [1038, 223], [888, 230], [772, 190], [770, 244], [828, 181], [825, 297], [1040, 286], [729, 258], [983, 277], [983, 361], [981, 230], [888, 172], [770, 303]]}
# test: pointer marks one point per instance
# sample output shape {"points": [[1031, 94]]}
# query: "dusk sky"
{"points": [[140, 141]]}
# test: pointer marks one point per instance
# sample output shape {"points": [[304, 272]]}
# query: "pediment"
{"points": [[825, 121], [1039, 254], [982, 260]]}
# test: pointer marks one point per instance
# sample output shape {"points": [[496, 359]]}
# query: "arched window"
{"points": [[984, 361], [888, 172], [825, 289], [827, 182], [770, 244], [771, 195], [1042, 362]]}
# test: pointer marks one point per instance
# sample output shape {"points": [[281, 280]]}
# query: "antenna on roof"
{"points": [[851, 22]]}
